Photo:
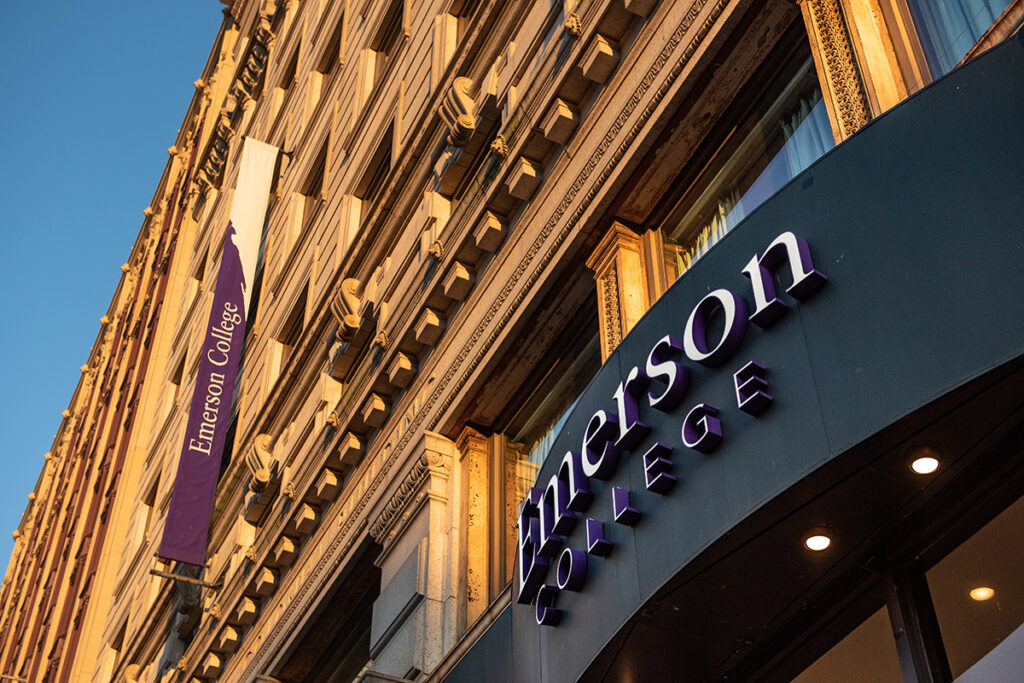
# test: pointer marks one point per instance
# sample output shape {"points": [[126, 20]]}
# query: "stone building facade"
{"points": [[474, 203]]}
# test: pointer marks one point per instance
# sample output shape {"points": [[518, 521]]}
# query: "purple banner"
{"points": [[188, 517]]}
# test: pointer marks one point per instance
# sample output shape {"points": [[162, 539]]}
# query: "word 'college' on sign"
{"points": [[549, 513]]}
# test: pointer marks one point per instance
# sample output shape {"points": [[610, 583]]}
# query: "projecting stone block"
{"points": [[348, 453], [375, 411], [212, 665], [228, 639], [304, 520], [641, 8], [459, 282], [560, 122], [401, 371], [265, 582], [247, 611], [429, 327], [327, 485], [285, 552], [600, 60], [490, 233], [524, 179]]}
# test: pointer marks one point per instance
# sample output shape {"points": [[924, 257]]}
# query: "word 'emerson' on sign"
{"points": [[550, 513]]}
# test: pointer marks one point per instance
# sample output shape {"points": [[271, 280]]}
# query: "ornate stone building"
{"points": [[474, 203]]}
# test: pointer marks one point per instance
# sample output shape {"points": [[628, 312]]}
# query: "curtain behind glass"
{"points": [[807, 135], [948, 29]]}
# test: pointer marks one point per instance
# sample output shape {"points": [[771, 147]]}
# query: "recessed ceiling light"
{"points": [[924, 460], [926, 464], [981, 593], [817, 542]]}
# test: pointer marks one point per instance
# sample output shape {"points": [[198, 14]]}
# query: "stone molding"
{"points": [[836, 61]]}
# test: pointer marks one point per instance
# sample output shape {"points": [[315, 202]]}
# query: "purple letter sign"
{"points": [[188, 518]]}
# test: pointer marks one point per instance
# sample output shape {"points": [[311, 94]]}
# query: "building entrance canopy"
{"points": [[917, 223]]}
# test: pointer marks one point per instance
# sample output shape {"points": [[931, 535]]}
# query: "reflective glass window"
{"points": [[978, 593]]}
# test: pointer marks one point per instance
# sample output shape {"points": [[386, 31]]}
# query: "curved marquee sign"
{"points": [[661, 379]]}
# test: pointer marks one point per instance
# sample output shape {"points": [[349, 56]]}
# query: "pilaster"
{"points": [[415, 617], [473, 451], [621, 284], [835, 59]]}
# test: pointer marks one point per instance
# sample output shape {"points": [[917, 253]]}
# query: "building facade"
{"points": [[474, 205]]}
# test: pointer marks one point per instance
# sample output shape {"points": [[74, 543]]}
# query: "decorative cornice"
{"points": [[243, 88], [400, 501]]}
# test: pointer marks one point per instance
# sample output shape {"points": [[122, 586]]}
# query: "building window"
{"points": [[314, 190], [867, 653], [291, 330], [782, 133], [150, 503], [288, 79], [978, 595], [541, 408], [948, 29], [333, 57], [377, 169], [385, 45]]}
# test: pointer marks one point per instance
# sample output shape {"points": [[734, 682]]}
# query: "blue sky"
{"points": [[93, 95]]}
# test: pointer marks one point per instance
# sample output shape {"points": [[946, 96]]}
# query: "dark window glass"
{"points": [[563, 375], [978, 593], [868, 653]]}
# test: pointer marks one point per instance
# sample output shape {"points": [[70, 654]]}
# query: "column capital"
{"points": [[621, 284]]}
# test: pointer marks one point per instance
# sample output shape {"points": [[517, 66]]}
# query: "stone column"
{"points": [[621, 285]]}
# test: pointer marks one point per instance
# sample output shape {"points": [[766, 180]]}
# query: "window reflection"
{"points": [[786, 131], [947, 29], [975, 622], [541, 407], [868, 653]]}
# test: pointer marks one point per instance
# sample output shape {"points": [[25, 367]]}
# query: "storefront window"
{"points": [[868, 653], [784, 133], [978, 593], [947, 29]]}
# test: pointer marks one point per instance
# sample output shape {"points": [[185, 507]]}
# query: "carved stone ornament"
{"points": [[215, 611], [436, 250], [289, 491], [258, 460], [572, 25], [345, 308], [382, 339], [400, 500], [837, 50], [250, 553], [458, 111], [499, 147], [333, 419]]}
